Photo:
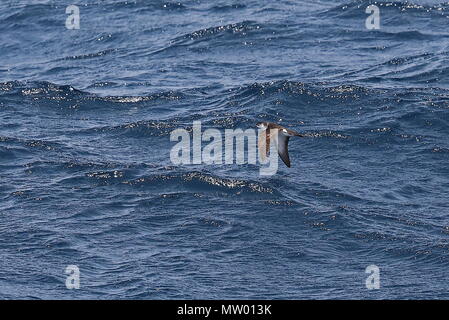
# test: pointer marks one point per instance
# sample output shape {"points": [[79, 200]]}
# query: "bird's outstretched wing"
{"points": [[264, 144], [282, 144], [280, 141]]}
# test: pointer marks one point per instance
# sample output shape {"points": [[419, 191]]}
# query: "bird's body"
{"points": [[274, 133]]}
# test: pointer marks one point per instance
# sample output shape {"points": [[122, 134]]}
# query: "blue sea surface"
{"points": [[86, 177]]}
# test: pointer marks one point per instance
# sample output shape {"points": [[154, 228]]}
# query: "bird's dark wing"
{"points": [[283, 148]]}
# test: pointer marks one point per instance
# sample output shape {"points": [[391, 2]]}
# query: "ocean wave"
{"points": [[189, 41], [203, 182], [357, 8]]}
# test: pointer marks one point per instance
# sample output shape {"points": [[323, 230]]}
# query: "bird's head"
{"points": [[262, 125]]}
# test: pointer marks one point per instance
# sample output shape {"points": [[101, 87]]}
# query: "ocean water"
{"points": [[86, 177]]}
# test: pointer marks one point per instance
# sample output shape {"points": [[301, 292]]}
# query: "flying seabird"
{"points": [[279, 135]]}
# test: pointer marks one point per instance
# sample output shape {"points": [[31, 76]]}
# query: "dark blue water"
{"points": [[86, 178]]}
